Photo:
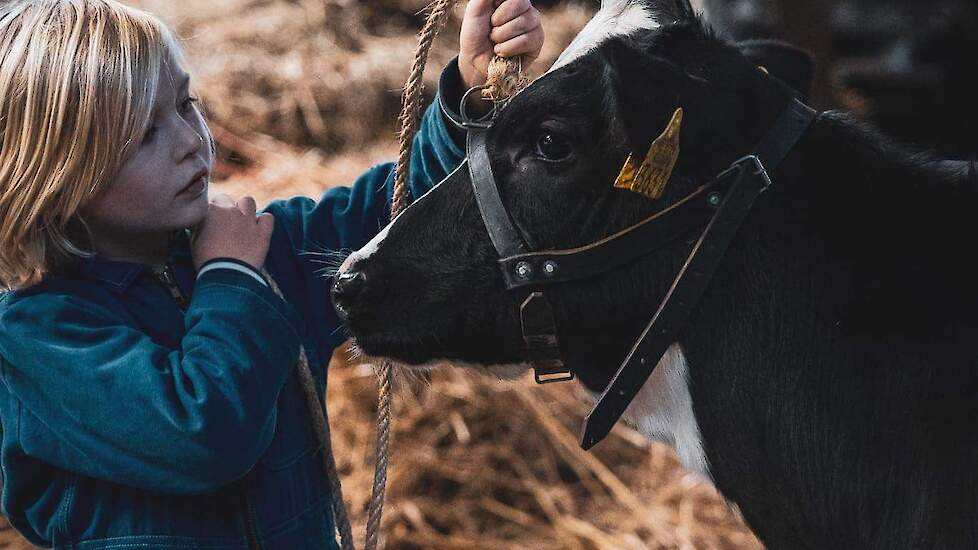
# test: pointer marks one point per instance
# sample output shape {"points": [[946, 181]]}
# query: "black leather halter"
{"points": [[717, 209]]}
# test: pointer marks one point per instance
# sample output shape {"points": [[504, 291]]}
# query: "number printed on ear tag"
{"points": [[649, 178]]}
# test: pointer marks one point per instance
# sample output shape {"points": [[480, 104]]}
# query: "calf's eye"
{"points": [[554, 147]]}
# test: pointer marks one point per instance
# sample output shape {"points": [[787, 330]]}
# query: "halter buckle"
{"points": [[750, 164], [758, 170], [540, 337]]}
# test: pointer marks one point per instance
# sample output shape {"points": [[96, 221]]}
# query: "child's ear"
{"points": [[793, 65]]}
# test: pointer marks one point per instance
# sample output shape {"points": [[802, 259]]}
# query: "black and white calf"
{"points": [[826, 382]]}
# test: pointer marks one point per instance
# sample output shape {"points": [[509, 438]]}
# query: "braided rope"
{"points": [[376, 508], [413, 99], [505, 79]]}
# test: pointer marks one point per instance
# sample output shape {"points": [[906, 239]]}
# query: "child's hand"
{"points": [[511, 29], [233, 230]]}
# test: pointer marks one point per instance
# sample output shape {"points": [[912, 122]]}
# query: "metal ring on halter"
{"points": [[485, 121]]}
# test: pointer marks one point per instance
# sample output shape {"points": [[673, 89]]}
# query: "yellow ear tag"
{"points": [[650, 177]]}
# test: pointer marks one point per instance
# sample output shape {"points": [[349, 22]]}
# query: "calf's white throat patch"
{"points": [[663, 411]]}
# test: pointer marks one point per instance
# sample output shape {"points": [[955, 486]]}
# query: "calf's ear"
{"points": [[791, 64], [649, 92]]}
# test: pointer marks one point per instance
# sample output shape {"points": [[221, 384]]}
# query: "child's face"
{"points": [[163, 186]]}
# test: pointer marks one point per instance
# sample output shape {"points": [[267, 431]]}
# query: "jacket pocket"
{"points": [[105, 515]]}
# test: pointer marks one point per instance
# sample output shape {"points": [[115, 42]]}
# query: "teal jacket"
{"points": [[131, 422]]}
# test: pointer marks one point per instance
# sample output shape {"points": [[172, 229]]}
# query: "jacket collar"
{"points": [[119, 275]]}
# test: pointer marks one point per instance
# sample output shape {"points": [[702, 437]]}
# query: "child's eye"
{"points": [[188, 104]]}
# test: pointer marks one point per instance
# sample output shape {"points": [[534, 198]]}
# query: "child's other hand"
{"points": [[233, 230], [495, 27]]}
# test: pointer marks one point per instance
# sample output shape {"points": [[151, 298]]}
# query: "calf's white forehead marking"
{"points": [[371, 247], [368, 249], [615, 18], [663, 411]]}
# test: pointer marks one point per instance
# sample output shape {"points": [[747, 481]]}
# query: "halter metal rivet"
{"points": [[550, 268], [713, 198], [524, 270]]}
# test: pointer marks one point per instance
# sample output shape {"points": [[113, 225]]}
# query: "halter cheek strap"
{"points": [[536, 315], [505, 238]]}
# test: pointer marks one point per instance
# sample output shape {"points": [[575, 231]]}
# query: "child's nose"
{"points": [[191, 141]]}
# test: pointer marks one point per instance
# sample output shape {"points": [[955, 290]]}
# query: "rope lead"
{"points": [[505, 78]]}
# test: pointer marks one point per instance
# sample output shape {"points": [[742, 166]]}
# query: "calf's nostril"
{"points": [[347, 285]]}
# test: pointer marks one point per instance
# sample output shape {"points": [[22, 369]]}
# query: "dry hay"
{"points": [[315, 73], [303, 94], [479, 463], [310, 73]]}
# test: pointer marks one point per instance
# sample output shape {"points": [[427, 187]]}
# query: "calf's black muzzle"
{"points": [[347, 288]]}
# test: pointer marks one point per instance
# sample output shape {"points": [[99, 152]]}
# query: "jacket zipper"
{"points": [[165, 276]]}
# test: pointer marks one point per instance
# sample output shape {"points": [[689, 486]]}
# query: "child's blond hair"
{"points": [[78, 82]]}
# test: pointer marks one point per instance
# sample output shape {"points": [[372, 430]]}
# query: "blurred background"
{"points": [[906, 65], [303, 95]]}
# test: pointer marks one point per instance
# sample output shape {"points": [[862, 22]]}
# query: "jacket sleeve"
{"points": [[311, 238], [195, 418]]}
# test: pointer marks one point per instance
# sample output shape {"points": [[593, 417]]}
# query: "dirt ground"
{"points": [[303, 95]]}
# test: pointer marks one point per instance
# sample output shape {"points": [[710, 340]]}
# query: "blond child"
{"points": [[147, 392]]}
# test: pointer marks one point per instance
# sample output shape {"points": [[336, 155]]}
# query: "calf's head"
{"points": [[429, 288]]}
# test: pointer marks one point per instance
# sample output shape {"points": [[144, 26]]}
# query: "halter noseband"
{"points": [[719, 207]]}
